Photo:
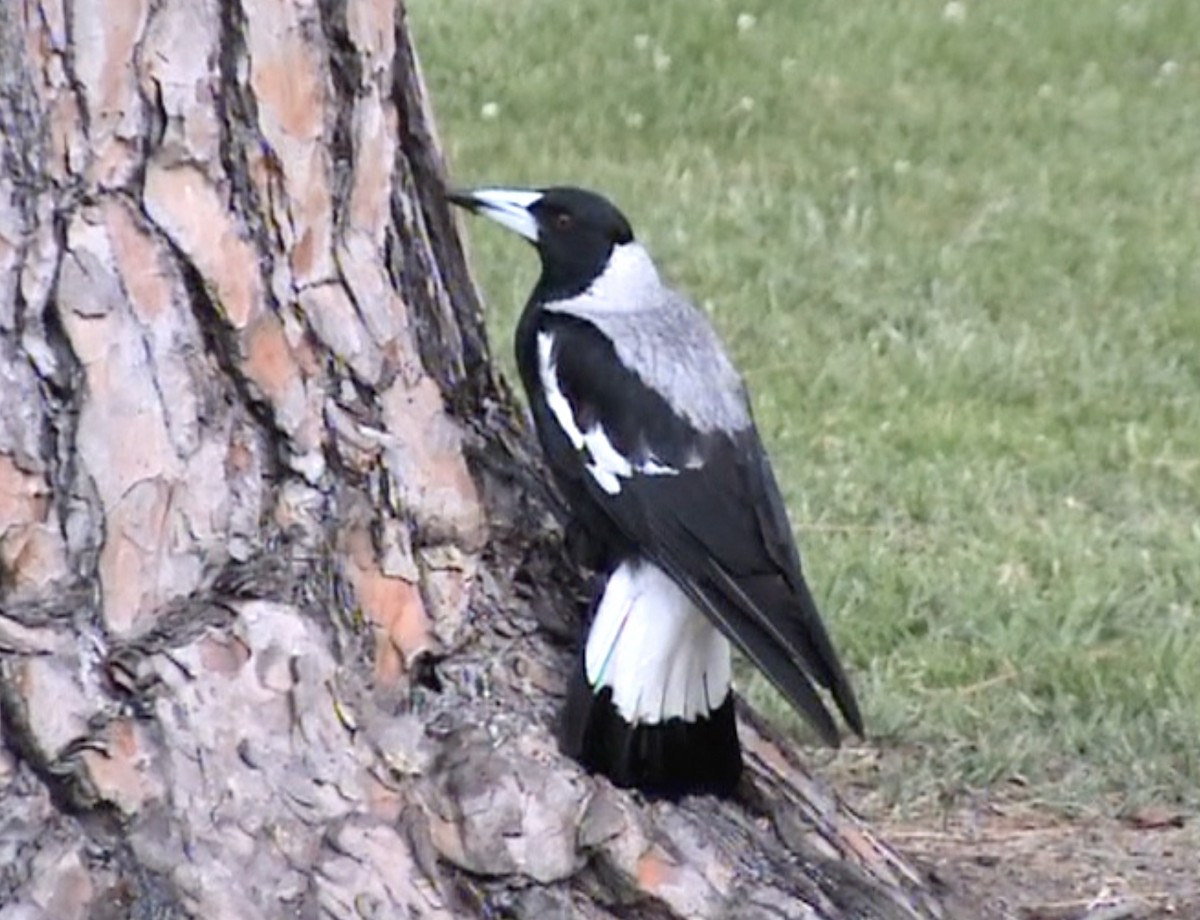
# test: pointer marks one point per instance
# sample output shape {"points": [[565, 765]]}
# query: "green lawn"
{"points": [[955, 249]]}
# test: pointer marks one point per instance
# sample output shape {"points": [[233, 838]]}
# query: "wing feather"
{"points": [[704, 506]]}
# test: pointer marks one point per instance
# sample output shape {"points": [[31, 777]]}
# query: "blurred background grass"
{"points": [[955, 249]]}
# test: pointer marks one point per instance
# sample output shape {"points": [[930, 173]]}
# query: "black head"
{"points": [[574, 230]]}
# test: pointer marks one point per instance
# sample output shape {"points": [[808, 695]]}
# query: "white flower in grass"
{"points": [[641, 41], [662, 60], [489, 110], [746, 22], [954, 11], [1133, 15]]}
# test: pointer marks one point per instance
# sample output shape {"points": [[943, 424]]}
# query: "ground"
{"points": [[1016, 862], [1004, 855]]}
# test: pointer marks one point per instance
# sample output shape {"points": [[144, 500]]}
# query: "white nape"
{"points": [[630, 283], [663, 339], [660, 655], [605, 463]]}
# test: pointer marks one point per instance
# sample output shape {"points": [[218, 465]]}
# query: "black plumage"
{"points": [[719, 529], [648, 433]]}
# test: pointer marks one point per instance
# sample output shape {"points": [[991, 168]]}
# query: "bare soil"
{"points": [[1017, 861]]}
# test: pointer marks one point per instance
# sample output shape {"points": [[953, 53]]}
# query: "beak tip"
{"points": [[508, 207], [462, 197]]}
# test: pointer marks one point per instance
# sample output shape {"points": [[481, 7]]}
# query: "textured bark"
{"points": [[279, 596]]}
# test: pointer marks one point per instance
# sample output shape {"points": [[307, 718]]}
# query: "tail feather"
{"points": [[651, 706], [666, 759]]}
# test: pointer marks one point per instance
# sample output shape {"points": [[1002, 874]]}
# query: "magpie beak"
{"points": [[506, 206], [646, 428]]}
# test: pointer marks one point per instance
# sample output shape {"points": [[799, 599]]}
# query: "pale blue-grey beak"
{"points": [[506, 206]]}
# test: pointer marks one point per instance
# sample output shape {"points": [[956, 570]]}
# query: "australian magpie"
{"points": [[647, 429]]}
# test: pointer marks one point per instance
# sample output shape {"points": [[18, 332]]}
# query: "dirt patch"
{"points": [[1016, 861]]}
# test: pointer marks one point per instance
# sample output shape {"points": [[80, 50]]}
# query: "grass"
{"points": [[958, 260]]}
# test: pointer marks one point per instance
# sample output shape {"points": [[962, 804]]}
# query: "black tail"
{"points": [[667, 759]]}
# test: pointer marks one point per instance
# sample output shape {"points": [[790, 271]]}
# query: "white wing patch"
{"points": [[661, 656], [607, 465]]}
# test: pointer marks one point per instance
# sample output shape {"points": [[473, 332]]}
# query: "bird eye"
{"points": [[563, 221]]}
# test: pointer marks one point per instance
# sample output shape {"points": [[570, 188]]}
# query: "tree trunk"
{"points": [[283, 618]]}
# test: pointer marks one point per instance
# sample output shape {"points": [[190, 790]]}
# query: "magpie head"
{"points": [[574, 231]]}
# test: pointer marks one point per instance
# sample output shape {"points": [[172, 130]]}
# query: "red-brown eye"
{"points": [[563, 221]]}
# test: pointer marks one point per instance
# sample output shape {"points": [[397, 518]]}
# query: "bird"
{"points": [[646, 427]]}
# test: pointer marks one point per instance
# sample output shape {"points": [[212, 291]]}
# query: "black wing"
{"points": [[716, 523]]}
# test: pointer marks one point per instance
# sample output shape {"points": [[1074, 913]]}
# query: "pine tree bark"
{"points": [[283, 616]]}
